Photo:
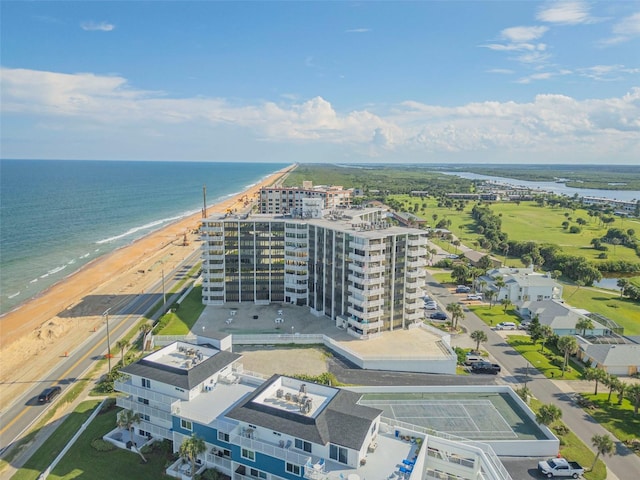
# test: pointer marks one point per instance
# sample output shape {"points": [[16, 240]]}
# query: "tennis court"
{"points": [[488, 418]]}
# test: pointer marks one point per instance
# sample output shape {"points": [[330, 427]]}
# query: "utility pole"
{"points": [[164, 295], [106, 314]]}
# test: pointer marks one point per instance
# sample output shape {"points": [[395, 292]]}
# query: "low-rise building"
{"points": [[522, 284], [621, 358], [283, 428], [562, 318]]}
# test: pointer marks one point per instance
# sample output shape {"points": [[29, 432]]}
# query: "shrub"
{"points": [[102, 445], [561, 429]]}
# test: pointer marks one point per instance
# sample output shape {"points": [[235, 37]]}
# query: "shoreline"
{"points": [[48, 326]]}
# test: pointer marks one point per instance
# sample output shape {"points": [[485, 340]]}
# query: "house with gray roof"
{"points": [[562, 318], [620, 359]]}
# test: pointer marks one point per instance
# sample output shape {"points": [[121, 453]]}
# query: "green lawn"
{"points": [[494, 315], [185, 316], [83, 460], [442, 277], [55, 443], [517, 221], [574, 448], [522, 344], [623, 311], [617, 419]]}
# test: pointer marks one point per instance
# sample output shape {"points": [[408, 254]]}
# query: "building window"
{"points": [[186, 424], [257, 473], [302, 445], [339, 454], [143, 400], [291, 468], [146, 383], [223, 437], [145, 417], [248, 454]]}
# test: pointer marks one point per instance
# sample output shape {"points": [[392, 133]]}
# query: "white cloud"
{"points": [[565, 13], [523, 34], [626, 29], [358, 30], [556, 127], [502, 71], [97, 27]]}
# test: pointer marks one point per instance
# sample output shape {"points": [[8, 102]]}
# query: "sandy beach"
{"points": [[39, 333]]}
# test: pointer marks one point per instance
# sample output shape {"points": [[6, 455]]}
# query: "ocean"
{"points": [[58, 215]]}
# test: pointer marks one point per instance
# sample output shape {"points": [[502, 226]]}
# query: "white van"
{"points": [[506, 326]]}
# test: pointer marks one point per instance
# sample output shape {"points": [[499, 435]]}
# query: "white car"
{"points": [[474, 296], [431, 306], [506, 326]]}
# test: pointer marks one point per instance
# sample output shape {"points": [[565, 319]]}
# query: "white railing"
{"points": [[156, 397], [130, 404], [269, 449], [284, 338], [156, 431], [162, 340]]}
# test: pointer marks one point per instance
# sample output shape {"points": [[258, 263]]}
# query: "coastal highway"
{"points": [[17, 418]]}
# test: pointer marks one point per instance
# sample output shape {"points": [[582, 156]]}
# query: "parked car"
{"points": [[438, 316], [431, 306], [48, 394], [463, 289], [524, 325], [453, 256], [472, 358], [474, 296], [560, 467], [485, 367], [506, 326]]}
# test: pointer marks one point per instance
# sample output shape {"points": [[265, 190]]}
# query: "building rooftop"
{"points": [[339, 420], [181, 364]]}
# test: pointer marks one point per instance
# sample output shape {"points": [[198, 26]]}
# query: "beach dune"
{"points": [[41, 331]]}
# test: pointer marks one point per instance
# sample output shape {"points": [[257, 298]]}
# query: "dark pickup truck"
{"points": [[485, 367]]}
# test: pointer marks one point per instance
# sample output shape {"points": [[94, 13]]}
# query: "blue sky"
{"points": [[423, 81]]}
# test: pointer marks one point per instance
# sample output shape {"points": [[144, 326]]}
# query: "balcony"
{"points": [[212, 284], [417, 242], [369, 315], [415, 273], [365, 325], [131, 404], [127, 387], [213, 256], [417, 252], [365, 280], [415, 262]]}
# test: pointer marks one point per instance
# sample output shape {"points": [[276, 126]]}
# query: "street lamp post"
{"points": [[526, 376], [106, 314]]}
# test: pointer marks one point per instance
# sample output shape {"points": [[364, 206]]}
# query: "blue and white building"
{"points": [[282, 427]]}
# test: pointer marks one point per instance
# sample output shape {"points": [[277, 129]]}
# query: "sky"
{"points": [[497, 81]]}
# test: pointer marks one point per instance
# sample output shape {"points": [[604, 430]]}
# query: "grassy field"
{"points": [[84, 461], [185, 316], [624, 312], [494, 315], [54, 444], [517, 222], [617, 419], [522, 344]]}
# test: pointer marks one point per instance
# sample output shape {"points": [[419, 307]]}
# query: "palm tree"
{"points": [[547, 414], [622, 388], [127, 419], [604, 446], [190, 449], [482, 284], [546, 332], [595, 374], [479, 336], [499, 282], [584, 324], [567, 345], [490, 295], [613, 383], [456, 313], [506, 304], [633, 394], [122, 344]]}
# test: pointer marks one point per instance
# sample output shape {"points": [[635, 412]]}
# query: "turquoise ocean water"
{"points": [[58, 215]]}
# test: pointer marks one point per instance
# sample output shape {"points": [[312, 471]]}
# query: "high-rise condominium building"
{"points": [[289, 200], [350, 265]]}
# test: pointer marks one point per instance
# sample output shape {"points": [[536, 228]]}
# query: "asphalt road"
{"points": [[624, 464], [26, 410]]}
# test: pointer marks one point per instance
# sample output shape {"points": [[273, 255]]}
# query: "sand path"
{"points": [[37, 335]]}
